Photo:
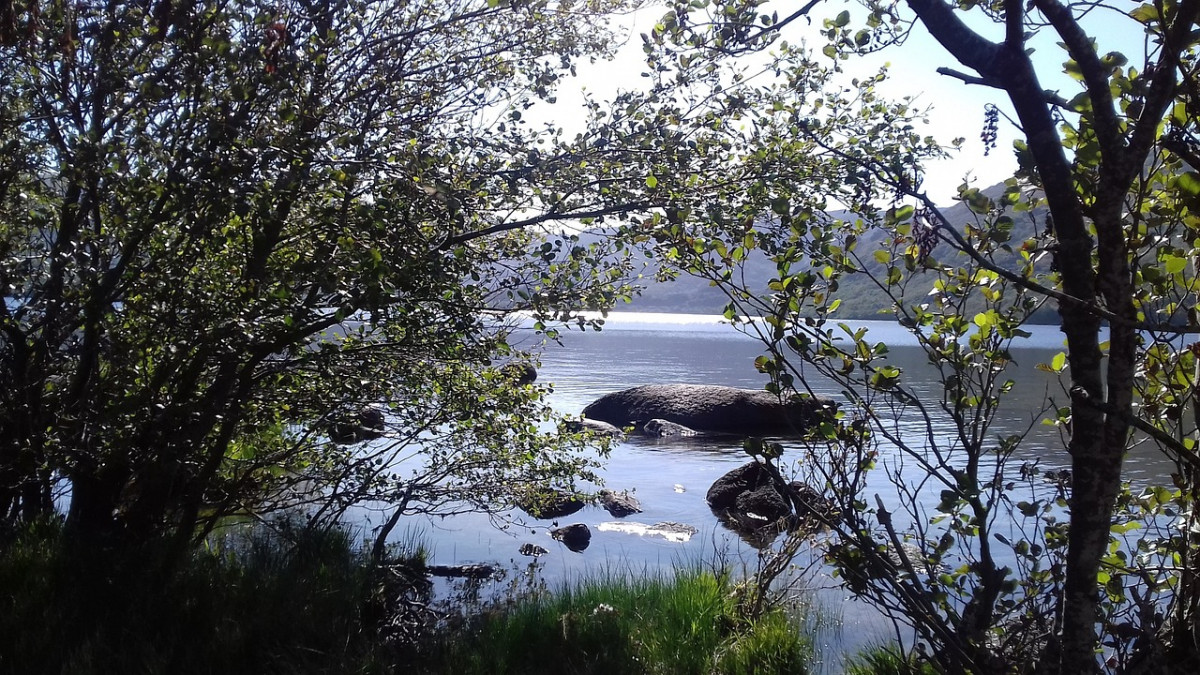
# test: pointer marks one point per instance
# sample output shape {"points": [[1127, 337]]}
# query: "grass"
{"points": [[302, 601], [264, 604], [886, 660], [690, 623]]}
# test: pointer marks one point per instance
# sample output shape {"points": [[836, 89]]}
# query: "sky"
{"points": [[955, 109]]}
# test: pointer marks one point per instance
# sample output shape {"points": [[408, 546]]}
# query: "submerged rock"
{"points": [[462, 571], [670, 531], [619, 504], [576, 537], [710, 409]]}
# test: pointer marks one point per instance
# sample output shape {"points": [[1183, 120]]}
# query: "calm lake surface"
{"points": [[670, 478]]}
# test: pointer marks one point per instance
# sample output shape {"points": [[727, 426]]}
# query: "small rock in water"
{"points": [[596, 427], [549, 504], [667, 429], [619, 504], [532, 550], [575, 537]]}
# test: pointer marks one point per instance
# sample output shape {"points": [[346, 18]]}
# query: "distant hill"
{"points": [[861, 298]]}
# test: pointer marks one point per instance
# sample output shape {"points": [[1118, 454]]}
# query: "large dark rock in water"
{"points": [[575, 537], [710, 408], [750, 498], [749, 490], [520, 372]]}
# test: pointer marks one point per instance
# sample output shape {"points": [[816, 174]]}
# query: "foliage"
{"points": [[228, 230], [1000, 565]]}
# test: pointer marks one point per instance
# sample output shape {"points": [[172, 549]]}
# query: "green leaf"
{"points": [[1145, 14], [1188, 182], [1058, 362], [1174, 264]]}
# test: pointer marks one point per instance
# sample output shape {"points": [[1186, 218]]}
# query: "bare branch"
{"points": [[1052, 97], [552, 216]]}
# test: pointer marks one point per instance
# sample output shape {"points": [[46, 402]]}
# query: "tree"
{"points": [[1107, 188], [229, 229]]}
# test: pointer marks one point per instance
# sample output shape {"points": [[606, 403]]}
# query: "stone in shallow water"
{"points": [[575, 537], [670, 531], [549, 504], [478, 571], [665, 429], [619, 504], [532, 550], [596, 427], [365, 424], [748, 478]]}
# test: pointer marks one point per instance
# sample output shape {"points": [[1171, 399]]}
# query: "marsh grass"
{"points": [[689, 623]]}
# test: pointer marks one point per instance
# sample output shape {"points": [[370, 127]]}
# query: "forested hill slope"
{"points": [[861, 298]]}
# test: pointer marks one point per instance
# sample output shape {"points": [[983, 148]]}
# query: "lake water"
{"points": [[670, 479]]}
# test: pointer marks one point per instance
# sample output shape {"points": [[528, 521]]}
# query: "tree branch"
{"points": [[1170, 444], [1095, 78], [548, 217], [1162, 86], [1014, 24], [964, 44], [1052, 97]]}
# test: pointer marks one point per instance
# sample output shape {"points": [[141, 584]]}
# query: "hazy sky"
{"points": [[955, 108]]}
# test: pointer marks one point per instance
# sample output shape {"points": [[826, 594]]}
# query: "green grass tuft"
{"points": [[623, 624], [886, 660]]}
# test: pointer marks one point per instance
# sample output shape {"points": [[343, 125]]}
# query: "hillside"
{"points": [[861, 299]]}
